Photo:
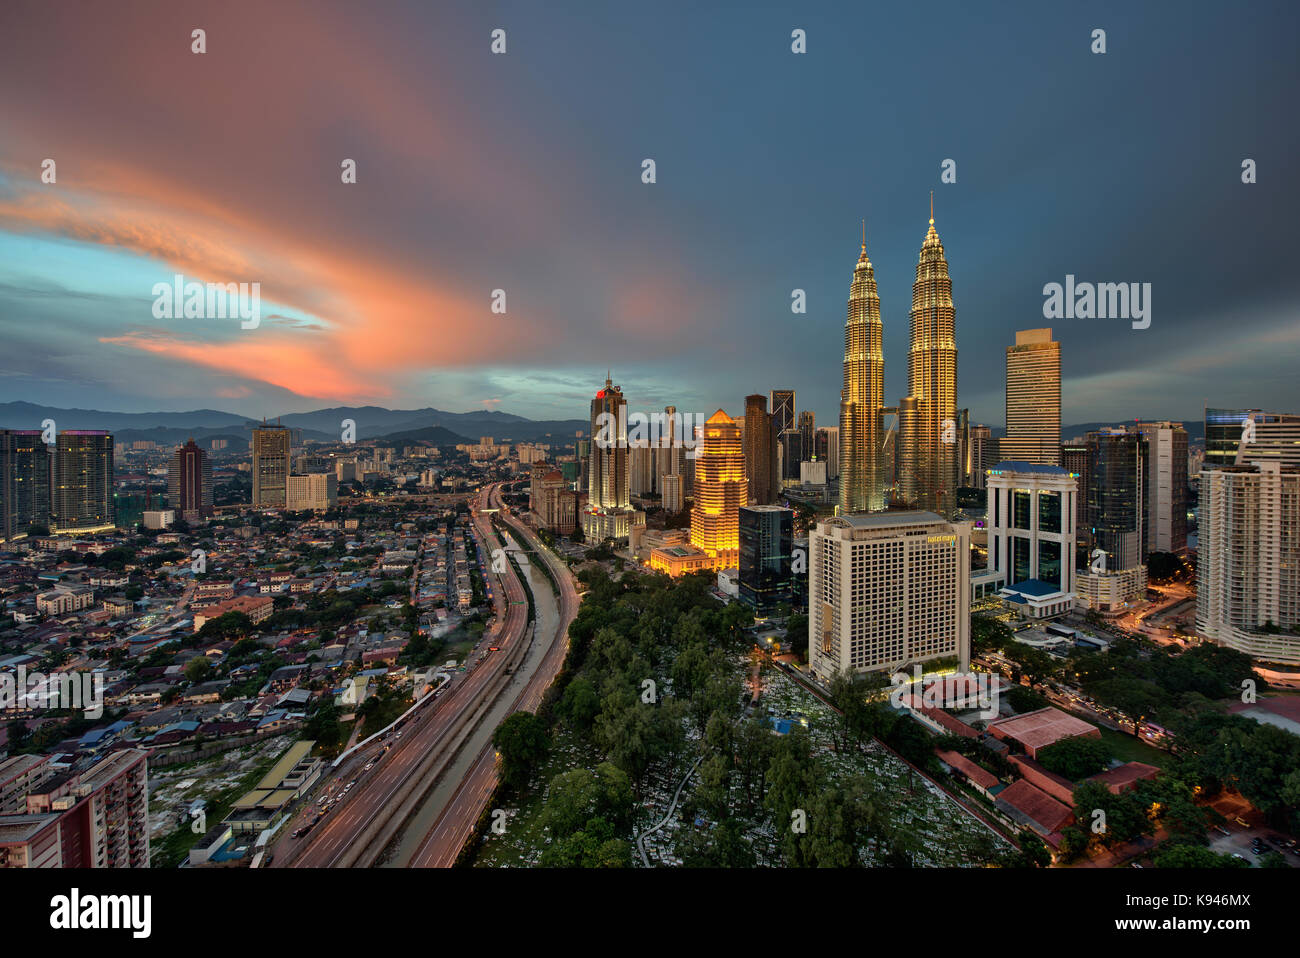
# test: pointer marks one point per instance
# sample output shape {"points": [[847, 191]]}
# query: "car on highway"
{"points": [[369, 766]]}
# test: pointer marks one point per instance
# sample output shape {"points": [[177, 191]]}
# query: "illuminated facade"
{"points": [[270, 467], [720, 491], [1033, 404], [608, 513], [81, 496], [24, 482], [861, 470], [886, 590], [928, 460]]}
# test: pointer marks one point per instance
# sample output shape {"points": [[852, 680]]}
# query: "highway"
{"points": [[443, 842], [357, 829]]}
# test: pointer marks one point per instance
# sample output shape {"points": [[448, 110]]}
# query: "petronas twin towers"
{"points": [[927, 441]]}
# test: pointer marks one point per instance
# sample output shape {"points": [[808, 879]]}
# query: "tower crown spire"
{"points": [[932, 207]]}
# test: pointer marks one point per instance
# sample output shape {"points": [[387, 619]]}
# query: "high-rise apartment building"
{"points": [[1166, 486], [766, 552], [886, 590], [81, 485], [760, 451], [1033, 399], [93, 819], [608, 513], [720, 491], [189, 482], [271, 449], [1248, 559], [24, 482], [927, 417], [315, 492], [861, 444]]}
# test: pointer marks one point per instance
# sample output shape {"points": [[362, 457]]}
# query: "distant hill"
{"points": [[438, 435], [373, 422]]}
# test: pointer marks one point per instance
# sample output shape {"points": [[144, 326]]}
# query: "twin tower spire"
{"points": [[926, 449]]}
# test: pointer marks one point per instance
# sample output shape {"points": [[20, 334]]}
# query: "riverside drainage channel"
{"points": [[416, 823]]}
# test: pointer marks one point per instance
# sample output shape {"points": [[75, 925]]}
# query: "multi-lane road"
{"points": [[443, 842], [404, 767]]}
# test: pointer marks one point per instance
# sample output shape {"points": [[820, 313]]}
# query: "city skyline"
{"points": [[402, 323]]}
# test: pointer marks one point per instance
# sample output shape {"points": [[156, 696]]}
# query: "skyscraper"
{"points": [[787, 436], [720, 491], [1033, 403], [981, 455], [608, 513], [766, 546], [760, 451], [81, 487], [1248, 559], [927, 416], [887, 590], [1166, 486], [862, 481], [270, 466], [24, 481], [189, 481], [1117, 496]]}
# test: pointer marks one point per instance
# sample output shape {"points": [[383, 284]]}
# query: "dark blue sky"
{"points": [[522, 172]]}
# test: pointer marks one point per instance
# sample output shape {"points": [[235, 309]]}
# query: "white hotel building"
{"points": [[886, 590]]}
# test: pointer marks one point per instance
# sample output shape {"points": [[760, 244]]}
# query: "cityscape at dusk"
{"points": [[697, 436]]}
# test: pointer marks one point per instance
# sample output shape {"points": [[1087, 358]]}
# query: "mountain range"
{"points": [[372, 423]]}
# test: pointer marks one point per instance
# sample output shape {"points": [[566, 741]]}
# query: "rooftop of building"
{"points": [[885, 520], [1017, 465], [1041, 728]]}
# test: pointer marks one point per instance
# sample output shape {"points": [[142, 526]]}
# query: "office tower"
{"points": [[189, 482], [641, 461], [828, 449], [1248, 559], [981, 455], [24, 482], [787, 436], [608, 513], [807, 434], [1031, 533], [927, 416], [1115, 483], [670, 456], [1033, 407], [1223, 429], [672, 494], [760, 451], [861, 446], [1166, 486], [886, 590], [98, 818], [1117, 495], [270, 466], [1074, 460], [559, 503], [81, 482], [316, 492], [766, 546], [720, 491]]}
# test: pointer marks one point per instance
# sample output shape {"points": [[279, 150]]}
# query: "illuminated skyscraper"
{"points": [[720, 491], [24, 481], [1033, 399], [862, 481], [608, 512], [81, 496], [927, 417], [270, 466]]}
